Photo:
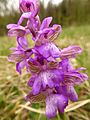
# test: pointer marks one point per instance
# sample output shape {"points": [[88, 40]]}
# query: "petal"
{"points": [[26, 15], [36, 98], [33, 26], [16, 56], [69, 91], [48, 50], [55, 102], [42, 37], [66, 65], [75, 78], [46, 22], [82, 68], [72, 93], [71, 51], [33, 68], [41, 97], [53, 64], [17, 31], [62, 102], [46, 78], [51, 59], [57, 76], [36, 86], [9, 26], [20, 66], [55, 52], [51, 107], [54, 33], [22, 41], [51, 78], [48, 34], [31, 81], [43, 50]]}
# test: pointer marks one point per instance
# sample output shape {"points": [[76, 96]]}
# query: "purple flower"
{"points": [[45, 37], [72, 76], [33, 23], [30, 10], [48, 78], [47, 34], [21, 54], [52, 81], [54, 103], [29, 5], [43, 76]]}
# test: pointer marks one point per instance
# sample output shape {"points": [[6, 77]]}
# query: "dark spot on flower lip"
{"points": [[29, 50], [45, 35], [54, 91], [28, 5]]}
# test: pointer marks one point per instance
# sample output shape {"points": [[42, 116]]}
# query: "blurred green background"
{"points": [[74, 16]]}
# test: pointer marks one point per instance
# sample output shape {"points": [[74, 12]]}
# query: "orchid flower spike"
{"points": [[53, 77]]}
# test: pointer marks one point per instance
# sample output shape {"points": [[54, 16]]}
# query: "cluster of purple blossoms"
{"points": [[53, 76]]}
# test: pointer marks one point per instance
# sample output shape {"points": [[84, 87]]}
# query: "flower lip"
{"points": [[42, 79], [54, 103]]}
